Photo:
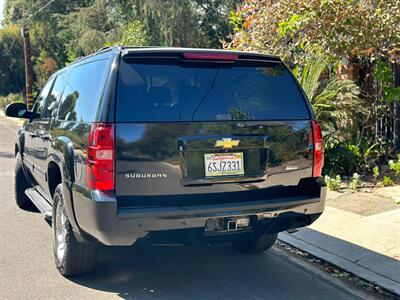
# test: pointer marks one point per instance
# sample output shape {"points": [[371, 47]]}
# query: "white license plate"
{"points": [[223, 164]]}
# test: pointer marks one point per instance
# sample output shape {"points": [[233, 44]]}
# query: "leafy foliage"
{"points": [[384, 75], [395, 166], [11, 65], [48, 51], [44, 66], [133, 34], [43, 25], [86, 29], [355, 181], [294, 29], [10, 98], [65, 30], [350, 156], [333, 183], [375, 172], [214, 20], [387, 181], [335, 101]]}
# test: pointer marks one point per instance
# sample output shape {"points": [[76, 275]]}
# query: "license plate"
{"points": [[223, 164]]}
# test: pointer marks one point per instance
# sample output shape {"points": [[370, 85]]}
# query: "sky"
{"points": [[1, 11]]}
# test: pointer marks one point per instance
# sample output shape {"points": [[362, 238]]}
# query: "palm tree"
{"points": [[335, 101]]}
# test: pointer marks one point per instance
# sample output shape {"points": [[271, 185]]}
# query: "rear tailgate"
{"points": [[194, 132]]}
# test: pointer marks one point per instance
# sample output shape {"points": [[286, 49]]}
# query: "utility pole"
{"points": [[28, 67]]}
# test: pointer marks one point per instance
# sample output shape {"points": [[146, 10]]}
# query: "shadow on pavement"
{"points": [[204, 272], [30, 209], [7, 154]]}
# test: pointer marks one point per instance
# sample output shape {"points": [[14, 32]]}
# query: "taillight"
{"points": [[100, 157], [318, 149], [210, 56]]}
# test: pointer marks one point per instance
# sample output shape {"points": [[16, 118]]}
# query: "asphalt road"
{"points": [[27, 269]]}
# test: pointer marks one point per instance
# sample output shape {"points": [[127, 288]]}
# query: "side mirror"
{"points": [[19, 110]]}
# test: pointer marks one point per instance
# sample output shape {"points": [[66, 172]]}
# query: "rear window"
{"points": [[204, 92], [81, 96]]}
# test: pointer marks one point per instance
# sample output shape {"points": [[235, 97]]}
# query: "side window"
{"points": [[41, 99], [53, 98], [81, 96]]}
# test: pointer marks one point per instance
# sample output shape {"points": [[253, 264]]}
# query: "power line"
{"points": [[27, 54], [31, 15], [34, 4], [36, 12], [25, 13], [43, 7]]}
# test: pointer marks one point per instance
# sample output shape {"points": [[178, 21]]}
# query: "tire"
{"points": [[255, 245], [21, 183], [71, 257]]}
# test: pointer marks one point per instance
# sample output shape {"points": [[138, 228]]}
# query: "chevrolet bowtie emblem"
{"points": [[227, 143]]}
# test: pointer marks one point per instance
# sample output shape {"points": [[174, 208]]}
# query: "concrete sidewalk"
{"points": [[367, 246]]}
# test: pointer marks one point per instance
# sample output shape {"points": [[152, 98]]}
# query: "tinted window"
{"points": [[172, 92], [54, 95], [81, 96], [41, 99]]}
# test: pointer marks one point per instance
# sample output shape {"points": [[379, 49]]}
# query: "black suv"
{"points": [[152, 145]]}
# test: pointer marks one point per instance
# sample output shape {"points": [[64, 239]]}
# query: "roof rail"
{"points": [[108, 47], [94, 53], [104, 48], [139, 47]]}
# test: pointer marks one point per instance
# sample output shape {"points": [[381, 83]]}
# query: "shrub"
{"points": [[43, 68], [355, 181], [335, 101], [375, 171], [295, 28], [348, 157], [333, 183], [10, 98], [387, 181], [395, 166]]}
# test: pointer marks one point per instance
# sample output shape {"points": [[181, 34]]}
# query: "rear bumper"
{"points": [[98, 216]]}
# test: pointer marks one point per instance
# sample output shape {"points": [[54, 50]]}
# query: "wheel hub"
{"points": [[60, 232]]}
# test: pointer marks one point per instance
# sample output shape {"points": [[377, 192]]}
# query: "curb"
{"points": [[342, 263]]}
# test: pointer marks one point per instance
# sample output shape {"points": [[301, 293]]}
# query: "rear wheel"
{"points": [[21, 183], [255, 244], [71, 257]]}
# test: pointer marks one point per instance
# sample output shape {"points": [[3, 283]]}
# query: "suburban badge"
{"points": [[146, 175]]}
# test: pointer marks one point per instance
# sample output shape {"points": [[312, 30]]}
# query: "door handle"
{"points": [[43, 135]]}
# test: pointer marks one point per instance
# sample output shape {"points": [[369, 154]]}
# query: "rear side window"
{"points": [[81, 96], [54, 95], [187, 92]]}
